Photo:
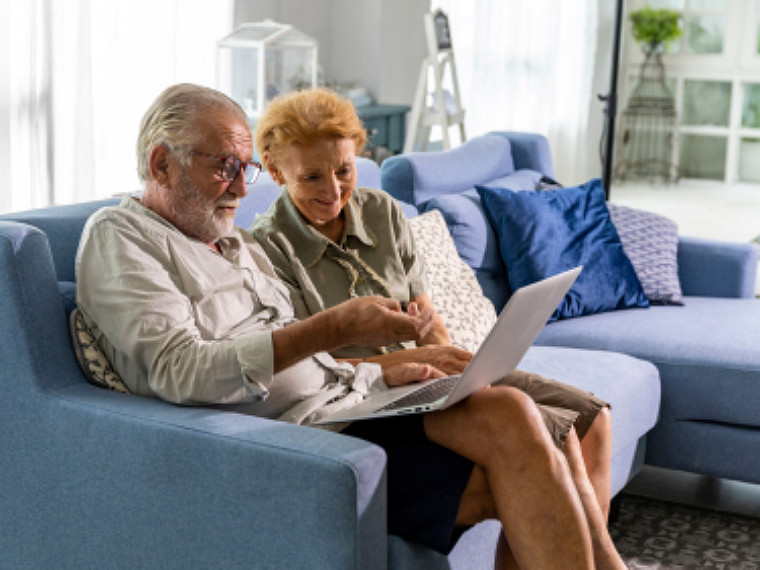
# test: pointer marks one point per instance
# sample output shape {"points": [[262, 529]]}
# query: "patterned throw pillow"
{"points": [[651, 243], [92, 361], [454, 289]]}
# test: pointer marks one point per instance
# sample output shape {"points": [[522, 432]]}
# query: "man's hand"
{"points": [[366, 321], [377, 321]]}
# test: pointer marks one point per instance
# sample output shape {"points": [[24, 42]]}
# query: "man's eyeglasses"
{"points": [[232, 165]]}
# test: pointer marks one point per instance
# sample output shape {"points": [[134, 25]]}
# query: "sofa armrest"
{"points": [[92, 478], [155, 485], [711, 268], [529, 151]]}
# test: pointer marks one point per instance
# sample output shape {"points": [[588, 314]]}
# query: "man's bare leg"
{"points": [[530, 486], [596, 448], [477, 505], [504, 559]]}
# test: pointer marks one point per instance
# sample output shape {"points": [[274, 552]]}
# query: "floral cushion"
{"points": [[93, 362], [454, 289]]}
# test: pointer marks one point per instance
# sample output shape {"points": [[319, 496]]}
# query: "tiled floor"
{"points": [[701, 209]]}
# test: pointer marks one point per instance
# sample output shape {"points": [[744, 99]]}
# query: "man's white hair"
{"points": [[172, 121]]}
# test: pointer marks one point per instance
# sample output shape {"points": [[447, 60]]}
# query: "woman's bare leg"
{"points": [[596, 448], [605, 554]]}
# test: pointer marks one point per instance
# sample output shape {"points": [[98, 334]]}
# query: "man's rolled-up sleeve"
{"points": [[255, 355]]}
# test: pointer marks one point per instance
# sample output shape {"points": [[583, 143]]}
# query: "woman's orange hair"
{"points": [[306, 117]]}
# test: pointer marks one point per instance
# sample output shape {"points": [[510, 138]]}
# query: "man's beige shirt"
{"points": [[184, 323]]}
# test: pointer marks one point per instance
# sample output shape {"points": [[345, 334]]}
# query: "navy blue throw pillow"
{"points": [[544, 232]]}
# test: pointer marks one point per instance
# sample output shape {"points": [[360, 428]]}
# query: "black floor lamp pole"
{"points": [[611, 100]]}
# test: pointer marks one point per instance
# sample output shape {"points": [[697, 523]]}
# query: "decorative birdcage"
{"points": [[647, 137], [260, 60]]}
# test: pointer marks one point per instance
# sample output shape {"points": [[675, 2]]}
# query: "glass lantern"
{"points": [[258, 61]]}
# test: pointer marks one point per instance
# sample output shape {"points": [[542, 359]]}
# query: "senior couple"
{"points": [[303, 314]]}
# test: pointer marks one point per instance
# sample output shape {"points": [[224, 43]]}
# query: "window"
{"points": [[713, 72], [78, 77]]}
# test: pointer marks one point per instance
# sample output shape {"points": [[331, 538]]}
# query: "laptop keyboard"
{"points": [[425, 395]]}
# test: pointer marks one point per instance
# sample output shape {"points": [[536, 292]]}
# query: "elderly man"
{"points": [[188, 309]]}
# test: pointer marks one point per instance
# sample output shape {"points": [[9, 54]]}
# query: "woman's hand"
{"points": [[437, 334], [408, 372], [447, 359]]}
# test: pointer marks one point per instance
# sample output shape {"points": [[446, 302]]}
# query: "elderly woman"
{"points": [[331, 241]]}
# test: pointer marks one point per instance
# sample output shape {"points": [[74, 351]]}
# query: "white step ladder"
{"points": [[446, 109]]}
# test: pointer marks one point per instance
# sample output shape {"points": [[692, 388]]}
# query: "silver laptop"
{"points": [[518, 325]]}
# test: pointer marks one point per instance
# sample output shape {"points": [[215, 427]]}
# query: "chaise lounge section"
{"points": [[705, 350]]}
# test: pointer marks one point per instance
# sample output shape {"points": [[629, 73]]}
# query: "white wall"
{"points": [[379, 44], [6, 200]]}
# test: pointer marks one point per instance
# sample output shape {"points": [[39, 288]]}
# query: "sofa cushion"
{"points": [[651, 243], [518, 180], [542, 233], [93, 362], [454, 290], [475, 241], [706, 352], [617, 378]]}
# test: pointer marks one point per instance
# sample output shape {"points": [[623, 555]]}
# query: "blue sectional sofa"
{"points": [[94, 478]]}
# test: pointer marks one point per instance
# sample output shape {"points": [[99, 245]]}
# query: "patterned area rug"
{"points": [[656, 534]]}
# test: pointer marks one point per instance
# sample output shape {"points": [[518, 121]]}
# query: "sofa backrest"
{"points": [[446, 180], [63, 224], [418, 177]]}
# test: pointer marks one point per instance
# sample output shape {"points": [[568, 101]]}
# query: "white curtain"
{"points": [[77, 77], [528, 66]]}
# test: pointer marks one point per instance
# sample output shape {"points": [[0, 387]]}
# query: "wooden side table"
{"points": [[385, 124]]}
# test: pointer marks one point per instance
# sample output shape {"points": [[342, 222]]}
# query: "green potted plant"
{"points": [[655, 29]]}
